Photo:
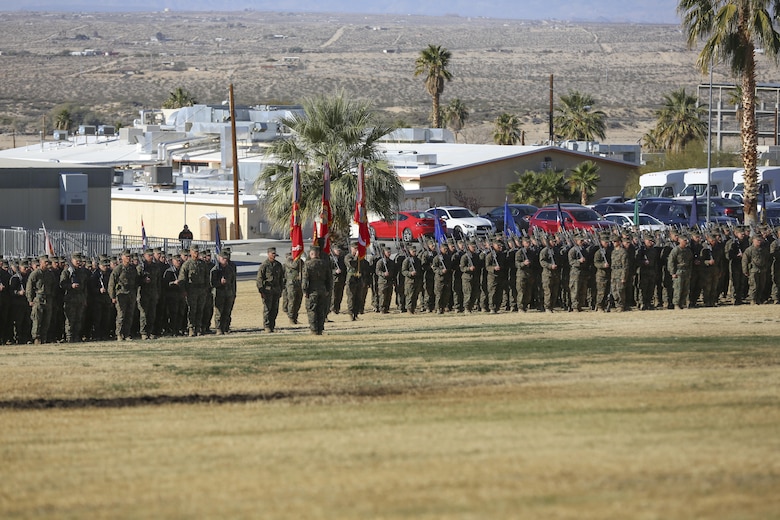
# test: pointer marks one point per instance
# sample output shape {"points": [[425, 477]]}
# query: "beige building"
{"points": [[434, 173]]}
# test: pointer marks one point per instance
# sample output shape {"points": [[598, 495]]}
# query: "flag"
{"points": [[763, 207], [48, 247], [694, 220], [510, 228], [296, 233], [636, 212], [560, 219], [438, 232], [144, 241], [364, 237], [323, 224], [217, 242]]}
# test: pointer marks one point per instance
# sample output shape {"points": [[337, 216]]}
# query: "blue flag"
{"points": [[217, 243], [438, 232], [694, 220], [559, 217], [510, 228]]}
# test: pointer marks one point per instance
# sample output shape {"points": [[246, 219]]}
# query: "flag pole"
{"points": [[236, 223]]}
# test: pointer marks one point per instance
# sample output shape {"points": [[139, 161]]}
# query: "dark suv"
{"points": [[521, 213], [678, 212]]}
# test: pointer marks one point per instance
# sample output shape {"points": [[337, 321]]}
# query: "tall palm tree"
{"points": [[506, 129], [179, 98], [679, 122], [343, 133], [433, 63], [584, 179], [456, 115], [539, 188], [577, 120], [731, 31]]}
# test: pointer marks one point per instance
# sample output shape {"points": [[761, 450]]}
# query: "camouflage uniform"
{"points": [[293, 273], [550, 258], [497, 267], [442, 281], [647, 258], [194, 277], [317, 284], [100, 301], [524, 279], [411, 270], [149, 279], [680, 264], [756, 265], [270, 284], [620, 267], [601, 261], [74, 281], [579, 267], [471, 268], [41, 286], [123, 290], [386, 275], [223, 280]]}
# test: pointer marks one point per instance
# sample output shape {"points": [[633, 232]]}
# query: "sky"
{"points": [[638, 11]]}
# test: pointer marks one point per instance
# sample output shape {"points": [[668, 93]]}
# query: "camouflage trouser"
{"points": [[699, 278], [457, 292], [294, 297], [524, 283], [196, 301], [618, 286], [496, 287], [208, 310], [578, 288], [647, 287], [602, 288], [20, 314], [551, 285], [682, 288], [739, 283], [125, 311], [317, 304], [147, 308], [223, 308], [668, 292], [412, 291], [756, 283], [470, 284], [354, 294], [271, 309], [337, 295], [41, 320], [385, 289], [74, 319], [710, 286], [442, 289], [176, 309]]}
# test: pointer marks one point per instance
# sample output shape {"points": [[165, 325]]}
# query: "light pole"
{"points": [[709, 144]]}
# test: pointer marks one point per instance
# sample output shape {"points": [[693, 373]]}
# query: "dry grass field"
{"points": [[663, 414], [498, 65]]}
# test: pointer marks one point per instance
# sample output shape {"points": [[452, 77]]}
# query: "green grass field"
{"points": [[403, 417]]}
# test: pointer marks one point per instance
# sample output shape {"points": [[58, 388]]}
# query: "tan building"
{"points": [[433, 173]]}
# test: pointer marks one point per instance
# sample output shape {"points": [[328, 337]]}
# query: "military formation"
{"points": [[148, 295]]}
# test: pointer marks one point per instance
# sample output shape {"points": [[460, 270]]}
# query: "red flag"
{"points": [[296, 233], [323, 224], [360, 217]]}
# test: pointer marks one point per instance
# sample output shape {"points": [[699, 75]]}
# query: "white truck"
{"points": [[721, 181], [667, 183], [768, 182]]}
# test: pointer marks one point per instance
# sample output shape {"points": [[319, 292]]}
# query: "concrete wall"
{"points": [[31, 195], [488, 183]]}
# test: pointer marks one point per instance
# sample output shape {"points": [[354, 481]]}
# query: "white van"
{"points": [[667, 183], [721, 181], [768, 182]]}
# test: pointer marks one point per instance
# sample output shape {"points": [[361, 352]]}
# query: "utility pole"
{"points": [[552, 128], [237, 225]]}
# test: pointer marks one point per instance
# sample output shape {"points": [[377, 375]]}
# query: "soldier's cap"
{"points": [[225, 254], [336, 246], [411, 248], [24, 263], [354, 243], [105, 261], [313, 249], [451, 241], [460, 242], [126, 252], [158, 250], [44, 259], [683, 236], [134, 256], [431, 242], [526, 239], [207, 252], [271, 250], [148, 251], [498, 241], [195, 247], [648, 236], [617, 238], [695, 233], [387, 249], [443, 245], [472, 243], [75, 255]]}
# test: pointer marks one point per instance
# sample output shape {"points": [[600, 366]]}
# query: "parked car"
{"points": [[678, 212], [615, 199], [772, 213], [462, 222], [575, 216], [646, 222], [613, 207], [521, 214], [405, 225]]}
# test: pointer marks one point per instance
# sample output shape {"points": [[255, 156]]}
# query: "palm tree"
{"points": [[584, 179], [539, 188], [456, 115], [179, 98], [506, 129], [731, 31], [680, 121], [433, 63], [63, 120], [342, 133], [577, 120]]}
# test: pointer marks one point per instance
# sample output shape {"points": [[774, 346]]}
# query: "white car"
{"points": [[646, 222], [462, 222]]}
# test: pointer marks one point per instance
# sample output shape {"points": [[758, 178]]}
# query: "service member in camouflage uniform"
{"points": [[293, 291], [442, 278], [680, 264], [223, 281], [41, 286], [99, 304], [123, 290], [385, 275], [774, 253], [411, 270], [339, 271], [194, 277], [471, 268], [175, 299], [734, 251], [620, 267], [73, 281], [20, 308], [578, 273], [647, 258], [149, 279], [755, 266], [550, 259], [317, 284], [270, 284], [524, 279], [497, 267]]}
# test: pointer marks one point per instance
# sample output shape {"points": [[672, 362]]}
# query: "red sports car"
{"points": [[406, 225]]}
